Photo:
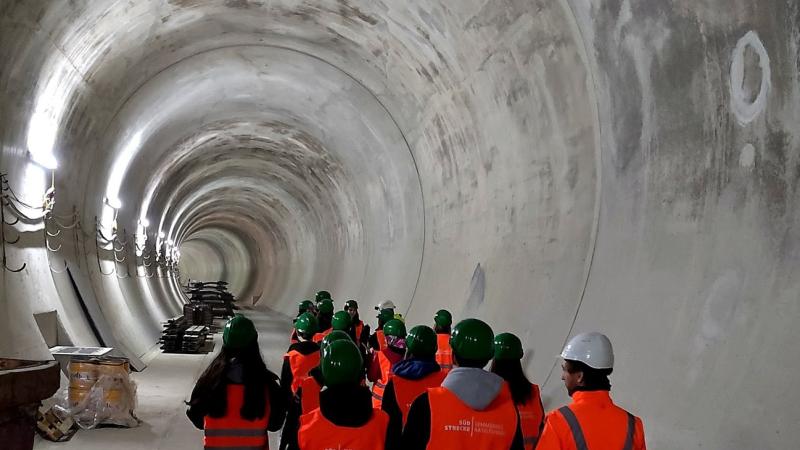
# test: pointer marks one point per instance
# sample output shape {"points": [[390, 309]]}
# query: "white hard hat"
{"points": [[386, 304], [593, 349]]}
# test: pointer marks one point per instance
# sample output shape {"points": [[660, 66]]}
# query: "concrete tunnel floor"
{"points": [[162, 389]]}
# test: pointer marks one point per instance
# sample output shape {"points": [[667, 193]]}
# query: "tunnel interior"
{"points": [[549, 166]]}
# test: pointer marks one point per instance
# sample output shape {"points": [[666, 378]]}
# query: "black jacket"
{"points": [[200, 400]]}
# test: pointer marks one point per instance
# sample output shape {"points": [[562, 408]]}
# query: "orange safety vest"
{"points": [[232, 430], [592, 421], [310, 395], [359, 328], [382, 345], [444, 355], [318, 433], [531, 418], [321, 335], [380, 385], [300, 365], [406, 391], [456, 425]]}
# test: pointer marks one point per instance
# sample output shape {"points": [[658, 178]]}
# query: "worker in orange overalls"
{"points": [[385, 313], [380, 368], [360, 330], [508, 364], [237, 399], [592, 420], [307, 398], [324, 319], [345, 418], [410, 378], [473, 409], [302, 356], [303, 307], [444, 355]]}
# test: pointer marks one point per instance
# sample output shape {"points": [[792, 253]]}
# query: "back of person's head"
{"points": [[240, 353], [421, 343], [306, 326], [342, 363], [443, 321], [593, 379], [472, 343], [507, 363]]}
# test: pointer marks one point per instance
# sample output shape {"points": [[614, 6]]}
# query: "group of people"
{"points": [[345, 388]]}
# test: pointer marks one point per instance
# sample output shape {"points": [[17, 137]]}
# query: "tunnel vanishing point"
{"points": [[550, 166]]}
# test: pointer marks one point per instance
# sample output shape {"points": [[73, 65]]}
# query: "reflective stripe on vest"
{"points": [[531, 416], [321, 335], [318, 433], [300, 365], [381, 338], [309, 395], [380, 385], [232, 431], [454, 425], [577, 432], [406, 391], [444, 355]]}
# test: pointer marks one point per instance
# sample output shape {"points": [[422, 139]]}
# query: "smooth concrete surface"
{"points": [[551, 166]]}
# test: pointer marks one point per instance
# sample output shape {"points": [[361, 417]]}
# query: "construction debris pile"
{"points": [[191, 332]]}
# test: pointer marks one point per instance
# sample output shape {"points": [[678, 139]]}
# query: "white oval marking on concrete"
{"points": [[747, 158], [743, 108]]}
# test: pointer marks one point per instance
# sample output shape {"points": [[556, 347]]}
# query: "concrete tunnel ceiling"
{"points": [[551, 166]]}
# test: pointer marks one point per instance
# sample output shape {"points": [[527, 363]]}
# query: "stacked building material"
{"points": [[214, 295], [194, 339]]}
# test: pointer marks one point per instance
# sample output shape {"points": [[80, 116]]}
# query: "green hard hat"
{"points": [[394, 328], [341, 363], [507, 347], [239, 332], [335, 335], [385, 315], [421, 341], [472, 339], [326, 306], [443, 318], [304, 306], [341, 320], [306, 325], [351, 304], [322, 295]]}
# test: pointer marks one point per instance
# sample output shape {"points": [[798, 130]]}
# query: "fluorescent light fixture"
{"points": [[115, 202]]}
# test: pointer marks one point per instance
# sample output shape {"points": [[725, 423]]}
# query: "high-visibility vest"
{"points": [[592, 421], [444, 355], [318, 433], [531, 418], [321, 335], [455, 425], [300, 365], [406, 391], [310, 395], [232, 430], [359, 328], [380, 385], [382, 345]]}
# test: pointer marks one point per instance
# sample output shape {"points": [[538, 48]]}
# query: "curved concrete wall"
{"points": [[550, 166]]}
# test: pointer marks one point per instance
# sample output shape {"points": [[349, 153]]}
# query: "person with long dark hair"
{"points": [[237, 399], [508, 364]]}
